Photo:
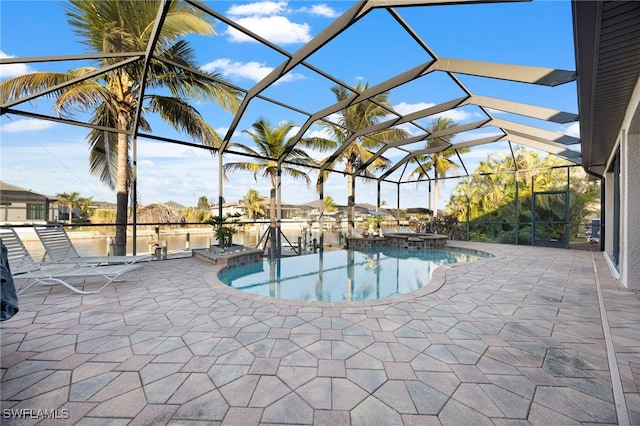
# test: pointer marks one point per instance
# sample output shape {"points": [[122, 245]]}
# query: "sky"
{"points": [[52, 158]]}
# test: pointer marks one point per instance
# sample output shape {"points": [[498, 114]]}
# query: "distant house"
{"points": [[230, 209], [22, 206], [63, 213], [293, 212]]}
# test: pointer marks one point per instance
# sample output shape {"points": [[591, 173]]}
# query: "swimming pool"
{"points": [[344, 275]]}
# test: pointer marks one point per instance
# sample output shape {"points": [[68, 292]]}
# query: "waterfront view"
{"points": [[96, 245], [186, 130]]}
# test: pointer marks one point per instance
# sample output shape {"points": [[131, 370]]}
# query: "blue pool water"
{"points": [[344, 275]]}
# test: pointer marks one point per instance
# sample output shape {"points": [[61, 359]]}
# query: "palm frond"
{"points": [[238, 147], [27, 84], [179, 23], [319, 144], [103, 147], [83, 96], [299, 155], [184, 117], [297, 174], [241, 166]]}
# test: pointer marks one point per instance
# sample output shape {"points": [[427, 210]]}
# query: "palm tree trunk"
{"points": [[350, 275], [351, 205], [273, 285], [122, 196], [436, 195], [272, 223], [319, 282]]}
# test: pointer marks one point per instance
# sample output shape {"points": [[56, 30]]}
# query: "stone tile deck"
{"points": [[518, 339]]}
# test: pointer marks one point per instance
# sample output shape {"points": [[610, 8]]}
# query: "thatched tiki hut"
{"points": [[159, 214]]}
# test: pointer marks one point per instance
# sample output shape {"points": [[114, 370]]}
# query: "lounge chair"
{"points": [[59, 249], [23, 266]]}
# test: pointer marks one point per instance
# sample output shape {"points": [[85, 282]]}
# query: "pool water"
{"points": [[344, 275]]}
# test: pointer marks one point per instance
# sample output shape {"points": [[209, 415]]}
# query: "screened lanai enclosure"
{"points": [[434, 104]]}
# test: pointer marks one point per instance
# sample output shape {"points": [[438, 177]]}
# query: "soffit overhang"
{"points": [[607, 46]]}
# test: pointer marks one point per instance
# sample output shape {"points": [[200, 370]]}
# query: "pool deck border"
{"points": [[531, 336]]}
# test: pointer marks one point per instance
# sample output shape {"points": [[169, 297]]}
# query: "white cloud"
{"points": [[495, 111], [473, 135], [190, 152], [149, 150], [253, 71], [318, 132], [26, 125], [334, 117], [320, 10], [222, 131], [267, 19], [456, 115], [261, 8], [572, 129], [405, 108], [12, 70], [276, 29]]}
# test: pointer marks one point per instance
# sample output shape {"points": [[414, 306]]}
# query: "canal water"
{"points": [[89, 244]]}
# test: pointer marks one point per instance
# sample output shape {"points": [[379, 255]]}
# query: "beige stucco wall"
{"points": [[16, 213], [631, 269], [629, 142]]}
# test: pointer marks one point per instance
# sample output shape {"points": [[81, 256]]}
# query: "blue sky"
{"points": [[52, 158]]}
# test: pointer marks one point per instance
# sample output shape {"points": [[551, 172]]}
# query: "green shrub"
{"points": [[477, 236], [192, 215], [104, 216], [524, 236]]}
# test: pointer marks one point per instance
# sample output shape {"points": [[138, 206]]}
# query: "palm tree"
{"points": [[254, 203], [83, 204], [329, 204], [271, 143], [440, 162], [113, 26], [69, 200], [356, 117]]}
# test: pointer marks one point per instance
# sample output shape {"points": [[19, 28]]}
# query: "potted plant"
{"points": [[223, 229], [374, 222]]}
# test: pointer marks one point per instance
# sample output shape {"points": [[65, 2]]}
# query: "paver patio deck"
{"points": [[516, 339]]}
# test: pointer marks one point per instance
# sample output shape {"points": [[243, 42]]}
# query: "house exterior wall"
{"points": [[630, 272], [628, 266], [16, 214], [631, 238]]}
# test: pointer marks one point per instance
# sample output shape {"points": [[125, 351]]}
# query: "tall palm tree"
{"points": [[70, 200], [113, 26], [271, 143], [356, 117], [440, 162], [254, 203]]}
